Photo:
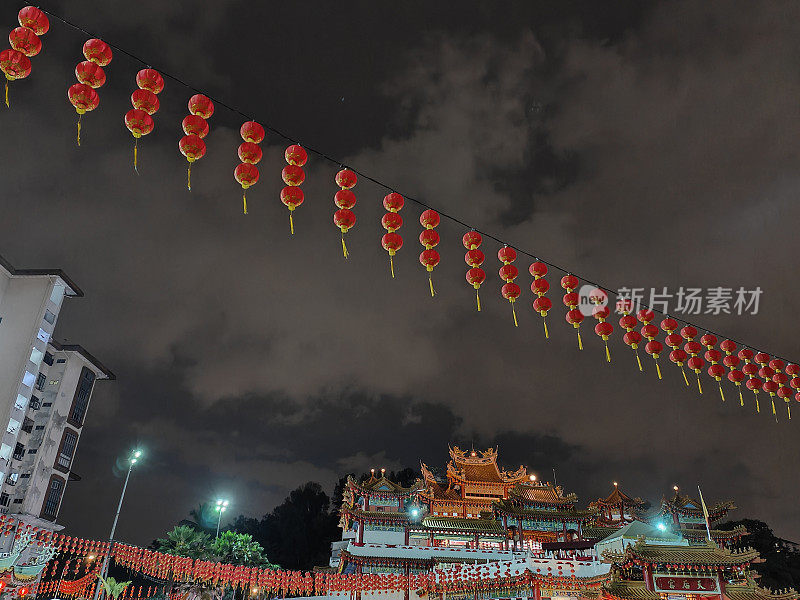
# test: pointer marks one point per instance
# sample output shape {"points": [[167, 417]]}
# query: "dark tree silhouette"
{"points": [[781, 566]]}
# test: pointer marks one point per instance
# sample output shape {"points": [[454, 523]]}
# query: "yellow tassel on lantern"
{"points": [[391, 264], [80, 116], [136, 155], [580, 341], [658, 369], [721, 393], [638, 359], [7, 104], [789, 410], [291, 221], [608, 352], [546, 333], [430, 281], [344, 246], [189, 177], [741, 399], [758, 407], [478, 298], [773, 408], [699, 386], [686, 379], [514, 312], [244, 199]]}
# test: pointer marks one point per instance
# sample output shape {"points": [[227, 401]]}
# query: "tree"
{"points": [[112, 587], [781, 566], [239, 549], [184, 540]]}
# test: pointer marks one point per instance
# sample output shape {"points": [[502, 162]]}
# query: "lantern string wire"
{"points": [[421, 203]]}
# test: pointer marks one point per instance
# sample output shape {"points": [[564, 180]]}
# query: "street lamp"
{"points": [[132, 460], [220, 508]]}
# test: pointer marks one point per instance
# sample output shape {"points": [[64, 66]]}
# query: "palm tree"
{"points": [[184, 540], [112, 587]]}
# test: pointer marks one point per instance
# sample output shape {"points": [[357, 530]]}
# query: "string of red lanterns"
{"points": [[429, 238], [25, 43], [345, 199], [90, 76], [191, 144], [391, 222], [474, 259], [250, 153], [508, 273], [542, 304]]}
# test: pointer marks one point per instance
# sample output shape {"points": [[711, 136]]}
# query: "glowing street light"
{"points": [[220, 508], [132, 460]]}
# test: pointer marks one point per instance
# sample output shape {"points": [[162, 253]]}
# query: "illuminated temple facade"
{"points": [[482, 514]]}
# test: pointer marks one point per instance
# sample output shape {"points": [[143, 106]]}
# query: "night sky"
{"points": [[643, 144]]}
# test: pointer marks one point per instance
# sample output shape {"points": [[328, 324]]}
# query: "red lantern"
{"points": [[144, 101], [98, 52], [34, 19], [345, 200], [249, 153], [192, 145], [138, 122], [90, 74], [781, 378], [632, 337], [732, 362], [194, 125], [15, 65], [574, 316], [714, 356], [692, 348], [508, 273], [392, 221], [539, 286], [766, 372], [649, 331], [429, 257], [474, 258], [674, 341], [751, 370], [25, 41], [792, 370], [604, 329], [293, 175]]}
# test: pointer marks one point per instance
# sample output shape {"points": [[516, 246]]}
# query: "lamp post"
{"points": [[220, 508], [134, 458]]}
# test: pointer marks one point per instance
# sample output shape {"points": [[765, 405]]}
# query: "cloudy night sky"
{"points": [[641, 144]]}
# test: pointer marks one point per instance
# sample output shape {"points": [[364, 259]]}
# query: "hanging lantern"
{"points": [[508, 273], [293, 175], [429, 257], [25, 40], [632, 337], [246, 173], [695, 363], [98, 52], [792, 370], [34, 19], [732, 362], [193, 148], [15, 65], [192, 145], [574, 316], [780, 378], [604, 329], [345, 200], [144, 102], [392, 221], [84, 99], [542, 304], [750, 369], [714, 356], [766, 372], [474, 258], [674, 341], [649, 331]]}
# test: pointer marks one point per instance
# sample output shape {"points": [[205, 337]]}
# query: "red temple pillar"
{"points": [[407, 536], [366, 502], [648, 577], [537, 591], [361, 531]]}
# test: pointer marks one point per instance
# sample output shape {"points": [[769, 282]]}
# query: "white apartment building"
{"points": [[45, 389]]}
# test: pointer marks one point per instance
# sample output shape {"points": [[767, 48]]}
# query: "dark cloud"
{"points": [[643, 144]]}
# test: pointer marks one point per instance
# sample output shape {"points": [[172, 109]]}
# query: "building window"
{"points": [[40, 381], [5, 451], [27, 425], [47, 404], [43, 335], [53, 498], [48, 359], [28, 379], [12, 478], [60, 360], [33, 451], [25, 476], [19, 451], [49, 317], [17, 500], [4, 498], [81, 400], [21, 402], [13, 426], [37, 356], [68, 443], [39, 427], [57, 294]]}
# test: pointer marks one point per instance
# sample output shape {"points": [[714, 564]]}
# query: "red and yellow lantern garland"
{"points": [[139, 120], [391, 222], [474, 258], [429, 238], [714, 356], [674, 341], [539, 286], [731, 361], [293, 176], [191, 144], [25, 43], [246, 172], [649, 331], [345, 200], [693, 349], [508, 273], [574, 316], [603, 329], [90, 76]]}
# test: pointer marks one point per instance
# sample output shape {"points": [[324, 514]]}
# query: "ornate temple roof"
{"points": [[480, 467], [618, 497], [681, 504], [383, 485], [511, 508], [540, 493], [708, 554], [461, 524]]}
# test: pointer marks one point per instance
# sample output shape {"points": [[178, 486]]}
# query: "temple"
{"points": [[481, 519]]}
